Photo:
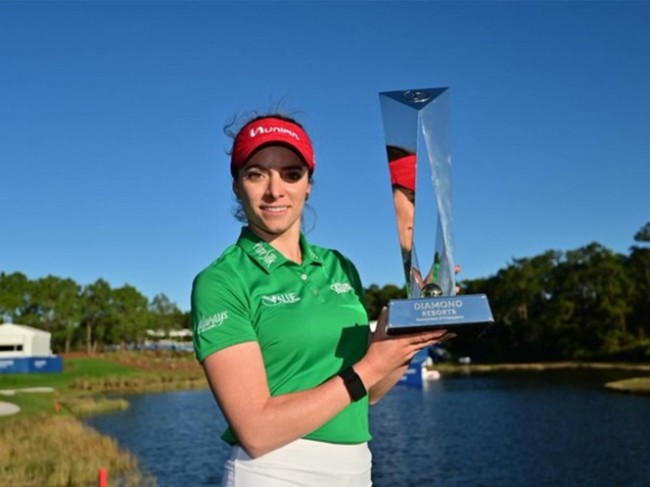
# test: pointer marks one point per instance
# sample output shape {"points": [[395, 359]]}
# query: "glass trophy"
{"points": [[418, 148]]}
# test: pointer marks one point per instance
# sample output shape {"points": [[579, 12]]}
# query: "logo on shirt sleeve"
{"points": [[341, 287], [212, 321]]}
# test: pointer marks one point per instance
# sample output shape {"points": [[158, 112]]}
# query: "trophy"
{"points": [[416, 129]]}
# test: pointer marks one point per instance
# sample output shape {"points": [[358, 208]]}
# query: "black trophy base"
{"points": [[459, 314]]}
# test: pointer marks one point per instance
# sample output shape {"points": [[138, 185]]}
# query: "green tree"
{"points": [[376, 298], [14, 294], [643, 235], [594, 282], [165, 314], [129, 315], [56, 306], [519, 296], [96, 312], [638, 267]]}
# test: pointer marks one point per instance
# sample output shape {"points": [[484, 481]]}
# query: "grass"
{"points": [[122, 372], [636, 385], [47, 445], [73, 369], [57, 451], [86, 405]]}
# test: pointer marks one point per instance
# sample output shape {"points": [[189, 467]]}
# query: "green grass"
{"points": [[636, 385], [85, 376], [73, 369], [31, 404], [61, 450]]}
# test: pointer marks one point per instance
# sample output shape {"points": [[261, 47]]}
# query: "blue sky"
{"points": [[112, 159]]}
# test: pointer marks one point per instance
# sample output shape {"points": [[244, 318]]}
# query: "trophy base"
{"points": [[454, 313]]}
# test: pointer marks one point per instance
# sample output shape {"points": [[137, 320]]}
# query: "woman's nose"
{"points": [[275, 186]]}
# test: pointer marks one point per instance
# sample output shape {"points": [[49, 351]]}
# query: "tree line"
{"points": [[585, 303], [86, 317], [588, 303]]}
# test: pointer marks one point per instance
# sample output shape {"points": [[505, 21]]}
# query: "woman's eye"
{"points": [[293, 175], [254, 175]]}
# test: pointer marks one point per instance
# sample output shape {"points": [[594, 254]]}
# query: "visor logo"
{"points": [[272, 130]]}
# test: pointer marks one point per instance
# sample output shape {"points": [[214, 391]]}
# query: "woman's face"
{"points": [[273, 187], [404, 200]]}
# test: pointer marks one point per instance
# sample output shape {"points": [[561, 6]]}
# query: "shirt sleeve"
{"points": [[220, 313]]}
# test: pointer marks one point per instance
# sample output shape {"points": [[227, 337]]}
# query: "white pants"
{"points": [[304, 463]]}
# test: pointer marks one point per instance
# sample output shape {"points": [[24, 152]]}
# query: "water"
{"points": [[515, 429]]}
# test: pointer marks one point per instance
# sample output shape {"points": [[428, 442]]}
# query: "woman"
{"points": [[281, 331]]}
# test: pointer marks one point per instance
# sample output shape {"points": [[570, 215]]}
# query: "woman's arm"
{"points": [[263, 422], [381, 387], [386, 384]]}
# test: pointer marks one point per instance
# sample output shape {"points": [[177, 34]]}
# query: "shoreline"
{"points": [[634, 385], [541, 366]]}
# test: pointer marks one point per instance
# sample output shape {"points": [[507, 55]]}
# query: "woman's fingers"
{"points": [[424, 339]]}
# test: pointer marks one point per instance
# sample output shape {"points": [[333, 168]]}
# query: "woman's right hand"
{"points": [[388, 356]]}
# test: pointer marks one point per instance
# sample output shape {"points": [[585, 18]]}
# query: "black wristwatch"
{"points": [[353, 384]]}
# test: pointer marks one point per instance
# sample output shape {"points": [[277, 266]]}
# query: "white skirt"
{"points": [[301, 463]]}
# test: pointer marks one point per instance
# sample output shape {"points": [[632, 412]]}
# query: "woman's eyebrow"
{"points": [[255, 166]]}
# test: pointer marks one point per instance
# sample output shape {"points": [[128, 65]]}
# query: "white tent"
{"points": [[24, 341]]}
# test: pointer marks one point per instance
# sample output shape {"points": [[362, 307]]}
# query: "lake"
{"points": [[555, 428]]}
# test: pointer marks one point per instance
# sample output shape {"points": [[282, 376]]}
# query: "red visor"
{"points": [[402, 172], [269, 131]]}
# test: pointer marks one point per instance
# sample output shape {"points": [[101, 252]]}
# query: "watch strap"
{"points": [[353, 384]]}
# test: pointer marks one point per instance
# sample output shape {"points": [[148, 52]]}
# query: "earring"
{"points": [[306, 196]]}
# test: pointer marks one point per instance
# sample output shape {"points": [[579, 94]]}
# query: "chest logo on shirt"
{"points": [[341, 287], [284, 298], [210, 322]]}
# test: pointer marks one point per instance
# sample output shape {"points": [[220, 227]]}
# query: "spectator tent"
{"points": [[26, 349]]}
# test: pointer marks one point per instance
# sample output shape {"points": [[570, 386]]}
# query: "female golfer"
{"points": [[282, 333]]}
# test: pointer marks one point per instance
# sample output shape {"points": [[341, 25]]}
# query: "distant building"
{"points": [[25, 349], [177, 340]]}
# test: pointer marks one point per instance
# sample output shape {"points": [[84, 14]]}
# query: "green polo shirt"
{"points": [[308, 319]]}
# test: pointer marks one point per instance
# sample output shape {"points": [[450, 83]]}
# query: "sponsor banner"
{"points": [[25, 365]]}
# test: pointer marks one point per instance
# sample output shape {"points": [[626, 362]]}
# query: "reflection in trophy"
{"points": [[401, 164], [416, 128]]}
